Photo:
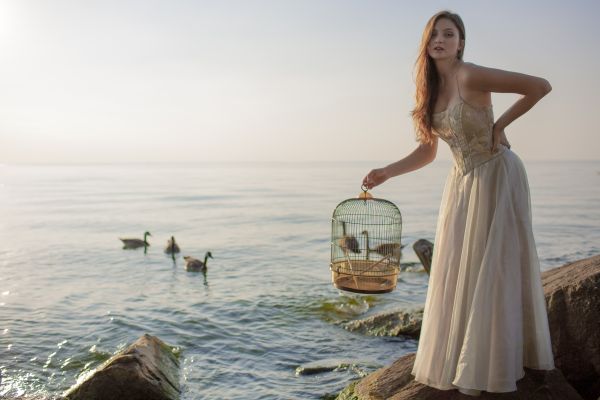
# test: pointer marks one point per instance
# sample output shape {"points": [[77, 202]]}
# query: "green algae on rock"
{"points": [[391, 323]]}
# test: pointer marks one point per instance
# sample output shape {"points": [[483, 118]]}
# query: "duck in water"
{"points": [[172, 246], [136, 243], [194, 265]]}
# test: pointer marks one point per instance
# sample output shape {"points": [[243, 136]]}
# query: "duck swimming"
{"points": [[194, 265], [136, 243], [172, 247]]}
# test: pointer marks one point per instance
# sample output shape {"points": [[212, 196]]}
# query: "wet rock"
{"points": [[424, 250], [396, 383], [411, 266], [573, 299], [333, 364], [392, 323], [146, 370], [572, 295], [348, 393]]}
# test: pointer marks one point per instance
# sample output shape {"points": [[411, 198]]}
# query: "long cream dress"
{"points": [[485, 315]]}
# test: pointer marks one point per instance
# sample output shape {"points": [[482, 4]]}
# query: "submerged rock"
{"points": [[38, 397], [333, 364], [146, 370], [391, 323]]}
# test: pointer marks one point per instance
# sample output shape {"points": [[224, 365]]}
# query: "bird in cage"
{"points": [[348, 243], [389, 250], [392, 250]]}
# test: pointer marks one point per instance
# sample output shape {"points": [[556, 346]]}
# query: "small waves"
{"points": [[71, 297]]}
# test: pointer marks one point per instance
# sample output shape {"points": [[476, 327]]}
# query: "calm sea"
{"points": [[70, 296]]}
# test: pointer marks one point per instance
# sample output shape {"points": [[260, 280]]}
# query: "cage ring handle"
{"points": [[365, 192]]}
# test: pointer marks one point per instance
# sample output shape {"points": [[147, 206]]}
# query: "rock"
{"points": [[392, 323], [411, 266], [573, 299], [333, 364], [424, 250], [32, 398], [396, 383], [348, 393], [146, 370], [572, 295], [329, 396]]}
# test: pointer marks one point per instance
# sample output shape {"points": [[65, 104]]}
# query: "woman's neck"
{"points": [[447, 68]]}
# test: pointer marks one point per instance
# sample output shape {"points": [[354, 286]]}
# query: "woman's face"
{"points": [[445, 41]]}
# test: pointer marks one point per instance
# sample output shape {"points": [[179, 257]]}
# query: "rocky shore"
{"points": [[572, 295]]}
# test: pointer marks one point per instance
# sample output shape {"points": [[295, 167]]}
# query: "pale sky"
{"points": [[272, 80]]}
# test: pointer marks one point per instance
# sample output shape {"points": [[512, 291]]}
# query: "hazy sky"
{"points": [[272, 80]]}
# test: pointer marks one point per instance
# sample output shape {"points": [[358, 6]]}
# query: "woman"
{"points": [[485, 316]]}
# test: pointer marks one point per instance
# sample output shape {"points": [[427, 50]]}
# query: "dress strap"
{"points": [[458, 86]]}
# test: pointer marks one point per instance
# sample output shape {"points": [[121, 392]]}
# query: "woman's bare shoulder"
{"points": [[471, 74], [472, 90], [469, 70], [480, 78]]}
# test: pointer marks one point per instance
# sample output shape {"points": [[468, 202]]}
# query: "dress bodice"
{"points": [[468, 131]]}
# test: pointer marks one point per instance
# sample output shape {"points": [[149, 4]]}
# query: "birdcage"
{"points": [[366, 245]]}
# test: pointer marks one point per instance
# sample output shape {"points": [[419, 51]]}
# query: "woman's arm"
{"points": [[421, 156], [532, 88]]}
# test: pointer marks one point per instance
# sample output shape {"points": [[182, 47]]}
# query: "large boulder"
{"points": [[396, 383], [573, 299], [572, 295], [146, 370]]}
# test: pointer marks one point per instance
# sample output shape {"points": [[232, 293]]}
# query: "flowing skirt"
{"points": [[485, 315]]}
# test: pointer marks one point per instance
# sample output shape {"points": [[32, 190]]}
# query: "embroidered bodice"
{"points": [[468, 131]]}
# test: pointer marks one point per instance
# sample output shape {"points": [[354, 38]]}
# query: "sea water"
{"points": [[71, 297]]}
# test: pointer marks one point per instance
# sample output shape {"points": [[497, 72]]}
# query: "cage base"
{"points": [[364, 285]]}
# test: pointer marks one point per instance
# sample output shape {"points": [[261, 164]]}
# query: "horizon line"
{"points": [[91, 163]]}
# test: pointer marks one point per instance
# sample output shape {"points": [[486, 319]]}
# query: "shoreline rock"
{"points": [[147, 370], [334, 364], [406, 322], [573, 301], [572, 294], [396, 382]]}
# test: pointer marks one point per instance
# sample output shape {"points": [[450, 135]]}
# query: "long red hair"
{"points": [[427, 79]]}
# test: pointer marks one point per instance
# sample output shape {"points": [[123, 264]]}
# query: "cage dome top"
{"points": [[368, 209]]}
